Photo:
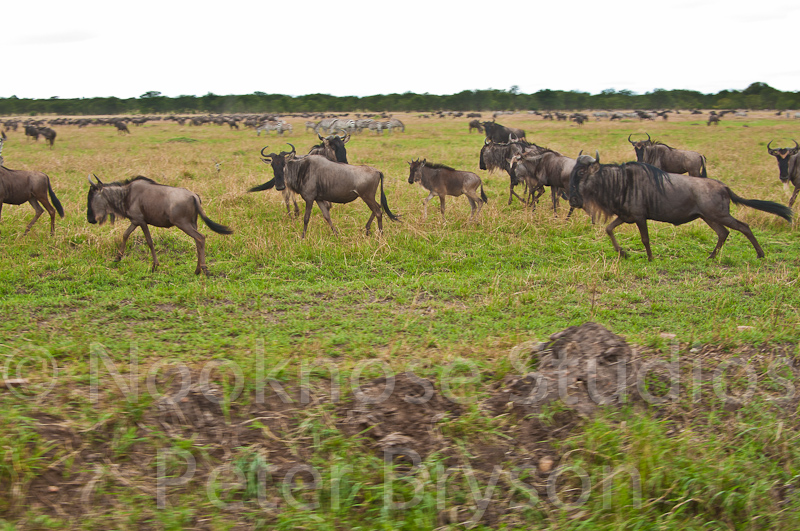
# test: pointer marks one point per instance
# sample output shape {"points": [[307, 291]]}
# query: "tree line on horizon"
{"points": [[758, 96]]}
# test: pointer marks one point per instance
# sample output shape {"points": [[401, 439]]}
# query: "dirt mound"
{"points": [[582, 367], [398, 412]]}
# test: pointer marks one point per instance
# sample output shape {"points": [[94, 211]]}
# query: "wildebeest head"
{"points": [[335, 144], [783, 155], [585, 166], [98, 206], [278, 162], [639, 146], [415, 172]]}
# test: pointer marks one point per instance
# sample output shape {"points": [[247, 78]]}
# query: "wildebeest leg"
{"points": [[610, 231], [287, 196], [511, 195], [306, 217], [722, 235], [52, 212], [794, 196], [475, 202], [149, 240], [744, 228], [425, 205], [554, 192], [376, 213], [441, 204], [124, 241], [323, 207], [38, 208], [200, 244], [645, 236]]}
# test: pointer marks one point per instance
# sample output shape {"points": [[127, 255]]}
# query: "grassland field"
{"points": [[446, 299]]}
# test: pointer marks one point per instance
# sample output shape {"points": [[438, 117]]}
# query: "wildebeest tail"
{"points": [[483, 195], [703, 166], [765, 206], [385, 204], [261, 187], [216, 227], [54, 199]]}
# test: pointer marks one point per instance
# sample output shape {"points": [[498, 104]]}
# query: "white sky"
{"points": [[91, 48]]}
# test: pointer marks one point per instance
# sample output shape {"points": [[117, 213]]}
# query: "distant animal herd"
{"points": [[664, 184]]}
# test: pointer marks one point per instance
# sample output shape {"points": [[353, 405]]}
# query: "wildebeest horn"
{"points": [[629, 139], [486, 141], [597, 155], [293, 148], [262, 152], [796, 145], [768, 146], [512, 137], [648, 137], [320, 137]]}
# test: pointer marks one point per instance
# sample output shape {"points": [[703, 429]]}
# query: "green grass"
{"points": [[424, 295]]}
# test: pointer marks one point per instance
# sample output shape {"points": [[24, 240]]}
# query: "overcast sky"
{"points": [[91, 48]]}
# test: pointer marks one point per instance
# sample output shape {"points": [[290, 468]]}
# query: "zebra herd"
{"points": [[330, 125]]}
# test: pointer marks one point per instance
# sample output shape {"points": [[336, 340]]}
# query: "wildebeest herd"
{"points": [[652, 188]]}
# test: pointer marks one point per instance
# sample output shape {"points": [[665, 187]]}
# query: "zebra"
{"points": [[337, 124], [363, 123], [394, 123], [280, 127]]}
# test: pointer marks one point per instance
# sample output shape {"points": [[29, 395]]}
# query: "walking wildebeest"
{"points": [[332, 148], [669, 159], [31, 131], [498, 133], [20, 186], [713, 119], [475, 124], [320, 180], [145, 202], [635, 192], [121, 127], [443, 180], [788, 166], [495, 156], [49, 135], [545, 168]]}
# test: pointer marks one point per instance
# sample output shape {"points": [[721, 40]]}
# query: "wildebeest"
{"points": [[544, 167], [475, 124], [31, 131], [635, 192], [714, 119], [669, 159], [145, 202], [332, 148], [317, 179], [443, 180], [788, 166], [498, 133], [20, 186], [495, 156], [122, 128], [49, 135]]}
